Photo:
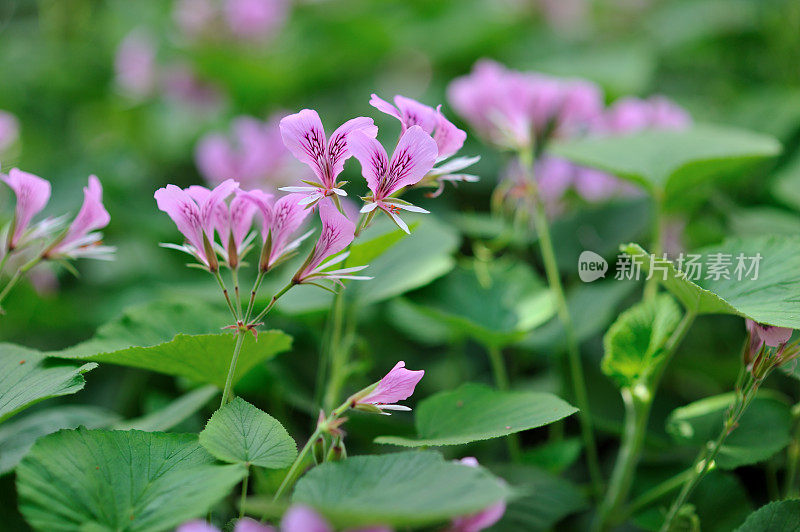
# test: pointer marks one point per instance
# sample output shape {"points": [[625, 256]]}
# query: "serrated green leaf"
{"points": [[165, 337], [27, 376], [671, 162], [777, 516], [763, 430], [412, 488], [18, 435], [495, 303], [241, 433], [634, 344], [475, 412], [76, 480], [173, 413], [772, 298]]}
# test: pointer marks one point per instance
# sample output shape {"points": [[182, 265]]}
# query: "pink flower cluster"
{"points": [[246, 20], [523, 110], [47, 237]]}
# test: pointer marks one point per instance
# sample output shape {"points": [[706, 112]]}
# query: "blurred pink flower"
{"points": [[9, 130], [480, 520], [242, 525], [253, 154], [413, 158], [135, 65], [82, 238], [305, 137], [337, 233], [279, 220], [629, 115], [397, 385], [32, 193], [255, 19], [300, 518], [194, 17], [180, 83]]}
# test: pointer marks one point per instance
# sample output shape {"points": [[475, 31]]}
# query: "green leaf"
{"points": [[475, 412], [555, 456], [241, 433], [174, 413], [17, 436], [772, 298], [544, 499], [164, 337], [28, 376], [496, 303], [412, 488], [671, 162], [77, 480], [634, 344], [777, 516], [763, 430]]}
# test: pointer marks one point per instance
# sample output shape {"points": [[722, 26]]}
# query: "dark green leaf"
{"points": [[778, 516]]}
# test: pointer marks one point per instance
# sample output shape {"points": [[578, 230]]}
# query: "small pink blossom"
{"points": [[279, 221], [82, 238], [305, 137], [9, 130], [413, 158], [135, 65], [253, 154], [32, 193], [768, 334], [255, 19], [397, 385], [480, 520], [337, 233]]}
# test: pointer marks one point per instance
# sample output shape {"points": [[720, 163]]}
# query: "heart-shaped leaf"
{"points": [[119, 480], [241, 433], [412, 488], [475, 412], [28, 377], [770, 294]]}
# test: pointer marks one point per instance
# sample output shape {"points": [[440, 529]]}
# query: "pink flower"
{"points": [[194, 17], [768, 334], [480, 520], [279, 220], [242, 525], [32, 193], [300, 518], [197, 212], [182, 85], [255, 19], [9, 130], [337, 233], [82, 238], [449, 139], [253, 154], [304, 136], [413, 158], [397, 385], [135, 65], [629, 115]]}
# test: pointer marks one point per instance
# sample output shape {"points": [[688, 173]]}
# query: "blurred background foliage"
{"points": [[726, 61]]}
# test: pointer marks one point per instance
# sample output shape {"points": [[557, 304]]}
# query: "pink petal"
{"points": [[337, 233], [93, 215], [214, 211], [255, 18], [241, 212], [385, 107], [773, 336], [251, 525], [338, 151], [397, 385], [183, 210], [301, 518], [480, 520], [413, 157], [373, 158], [303, 134], [415, 113], [287, 216], [32, 193], [215, 159], [449, 139]]}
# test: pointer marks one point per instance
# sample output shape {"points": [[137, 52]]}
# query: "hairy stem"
{"points": [[657, 244], [226, 392], [244, 493]]}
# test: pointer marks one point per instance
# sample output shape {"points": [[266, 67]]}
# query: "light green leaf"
{"points": [[475, 412], [175, 412], [77, 480], [777, 516], [495, 303], [773, 297], [412, 488], [17, 436], [241, 433], [671, 162], [28, 376], [634, 344], [786, 184], [164, 337], [764, 429]]}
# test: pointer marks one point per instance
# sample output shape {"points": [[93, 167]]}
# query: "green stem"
{"points": [[652, 495], [657, 244], [244, 493], [498, 367], [573, 350], [221, 284], [792, 459], [253, 293], [226, 392], [235, 277], [18, 275], [335, 353], [272, 302]]}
